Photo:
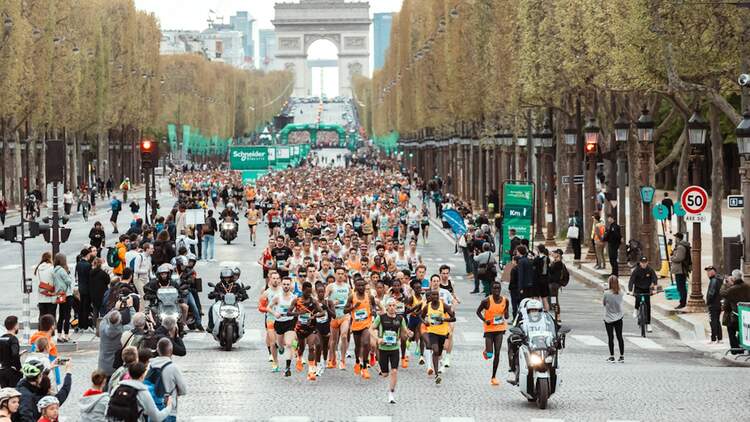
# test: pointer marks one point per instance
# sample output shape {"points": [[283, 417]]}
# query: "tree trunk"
{"points": [[634, 183], [17, 166], [717, 187], [5, 161], [683, 171]]}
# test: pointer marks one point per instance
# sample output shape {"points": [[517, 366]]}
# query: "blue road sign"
{"points": [[660, 212]]}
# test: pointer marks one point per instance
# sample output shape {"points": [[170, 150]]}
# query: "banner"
{"points": [[172, 137], [455, 220], [518, 211], [249, 157], [743, 314], [185, 140], [250, 176]]}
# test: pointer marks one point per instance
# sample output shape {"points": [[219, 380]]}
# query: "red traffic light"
{"points": [[590, 148], [146, 145]]}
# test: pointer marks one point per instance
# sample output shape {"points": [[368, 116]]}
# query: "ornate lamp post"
{"points": [[622, 133], [570, 138], [522, 142], [543, 141], [645, 126], [742, 132], [591, 132], [697, 130]]}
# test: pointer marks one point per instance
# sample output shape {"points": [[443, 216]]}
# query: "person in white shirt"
{"points": [[142, 269]]}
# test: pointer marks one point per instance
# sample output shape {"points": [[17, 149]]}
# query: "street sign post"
{"points": [[696, 218], [735, 202], [694, 199], [660, 212], [518, 203], [578, 179]]}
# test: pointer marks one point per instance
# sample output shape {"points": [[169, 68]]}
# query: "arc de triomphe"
{"points": [[346, 24]]}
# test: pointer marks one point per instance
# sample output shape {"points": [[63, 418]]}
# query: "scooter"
{"points": [[229, 229], [167, 305], [538, 344], [229, 320]]}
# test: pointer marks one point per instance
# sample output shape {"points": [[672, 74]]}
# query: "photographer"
{"points": [[116, 322]]}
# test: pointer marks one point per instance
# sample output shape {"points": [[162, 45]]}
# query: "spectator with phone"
{"points": [[116, 322], [10, 354], [35, 385]]}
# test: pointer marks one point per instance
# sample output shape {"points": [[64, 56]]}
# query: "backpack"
{"points": [[113, 257], [564, 276], [687, 264], [155, 384], [131, 264], [6, 357], [123, 404]]}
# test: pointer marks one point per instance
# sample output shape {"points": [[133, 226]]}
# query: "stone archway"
{"points": [[345, 24]]}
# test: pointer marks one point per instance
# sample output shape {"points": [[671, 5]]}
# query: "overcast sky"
{"points": [[192, 14]]}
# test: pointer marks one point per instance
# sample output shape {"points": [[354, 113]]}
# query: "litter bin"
{"points": [[732, 254]]}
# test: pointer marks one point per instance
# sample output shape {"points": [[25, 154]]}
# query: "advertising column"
{"points": [[518, 209]]}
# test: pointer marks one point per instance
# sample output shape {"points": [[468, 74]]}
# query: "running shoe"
{"points": [[311, 376], [430, 371], [372, 359], [320, 371], [438, 380], [275, 368], [391, 399], [270, 358], [299, 366], [331, 364], [365, 374], [487, 355], [611, 359], [342, 366], [404, 362], [621, 359], [357, 369], [421, 360], [288, 372], [447, 360], [494, 382]]}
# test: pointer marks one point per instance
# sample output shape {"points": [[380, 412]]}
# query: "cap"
{"points": [[558, 251], [644, 259], [710, 267]]}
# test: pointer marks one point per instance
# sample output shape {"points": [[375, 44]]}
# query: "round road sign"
{"points": [[694, 199], [660, 212]]}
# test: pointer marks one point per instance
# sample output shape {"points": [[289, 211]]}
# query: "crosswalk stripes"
{"points": [[645, 343], [290, 419], [589, 340], [546, 420], [365, 419], [457, 419], [373, 419]]}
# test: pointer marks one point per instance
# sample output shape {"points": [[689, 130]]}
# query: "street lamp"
{"points": [[591, 136], [742, 132], [645, 127], [622, 134], [697, 129], [544, 142]]}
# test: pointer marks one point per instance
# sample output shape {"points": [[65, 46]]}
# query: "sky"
{"points": [[192, 14]]}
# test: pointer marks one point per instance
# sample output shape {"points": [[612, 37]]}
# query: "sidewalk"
{"points": [[692, 328]]}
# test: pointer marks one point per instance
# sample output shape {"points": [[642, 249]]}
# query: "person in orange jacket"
{"points": [[122, 248]]}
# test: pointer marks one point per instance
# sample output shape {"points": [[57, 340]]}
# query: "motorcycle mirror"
{"points": [[211, 285], [564, 329], [247, 288]]}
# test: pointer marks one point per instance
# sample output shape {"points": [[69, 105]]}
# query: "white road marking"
{"points": [[229, 264], [621, 420], [10, 267], [589, 340], [373, 419], [645, 343], [290, 419], [473, 336], [546, 420], [456, 419], [214, 418]]}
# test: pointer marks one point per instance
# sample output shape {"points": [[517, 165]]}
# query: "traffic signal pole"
{"points": [[55, 220]]}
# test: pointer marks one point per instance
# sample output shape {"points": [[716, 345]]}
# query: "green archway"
{"points": [[313, 129]]}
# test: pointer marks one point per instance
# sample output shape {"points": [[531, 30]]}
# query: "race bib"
{"points": [[275, 219], [280, 263], [289, 224], [436, 319], [283, 310], [357, 224], [360, 315], [390, 338], [304, 319], [400, 308], [498, 320], [323, 319]]}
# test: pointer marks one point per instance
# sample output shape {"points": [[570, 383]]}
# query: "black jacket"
{"points": [[642, 279], [30, 396], [613, 236], [13, 358], [526, 276], [83, 271], [555, 272], [178, 346], [98, 284], [713, 298], [221, 289]]}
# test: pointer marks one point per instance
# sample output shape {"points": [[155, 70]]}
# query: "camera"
{"points": [[744, 80]]}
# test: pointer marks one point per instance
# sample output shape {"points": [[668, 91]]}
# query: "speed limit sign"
{"points": [[694, 199]]}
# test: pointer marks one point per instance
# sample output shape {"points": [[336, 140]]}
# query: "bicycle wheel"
{"points": [[642, 319]]}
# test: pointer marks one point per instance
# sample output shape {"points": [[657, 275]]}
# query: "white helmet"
{"points": [[46, 402], [164, 268], [6, 394], [531, 304]]}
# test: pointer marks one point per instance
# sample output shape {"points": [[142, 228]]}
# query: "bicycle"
{"points": [[642, 316]]}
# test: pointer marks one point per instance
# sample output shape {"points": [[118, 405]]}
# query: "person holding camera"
{"points": [[734, 291], [35, 385], [116, 322]]}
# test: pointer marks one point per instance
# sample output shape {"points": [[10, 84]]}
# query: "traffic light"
{"points": [[590, 148], [9, 233], [35, 228], [149, 154]]}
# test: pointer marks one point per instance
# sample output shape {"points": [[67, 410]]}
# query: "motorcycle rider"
{"points": [[163, 279], [529, 310], [187, 282], [227, 284], [229, 212]]}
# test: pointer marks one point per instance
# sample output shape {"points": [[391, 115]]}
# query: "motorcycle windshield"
{"points": [[540, 331], [167, 295], [230, 299]]}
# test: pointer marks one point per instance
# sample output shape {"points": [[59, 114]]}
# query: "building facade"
{"points": [[180, 42], [381, 23], [266, 50], [243, 22]]}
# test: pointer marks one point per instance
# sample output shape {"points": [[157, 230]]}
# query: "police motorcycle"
{"points": [[163, 295], [227, 316], [228, 228], [536, 341]]}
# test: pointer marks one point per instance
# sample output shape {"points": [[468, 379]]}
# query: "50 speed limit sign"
{"points": [[694, 199]]}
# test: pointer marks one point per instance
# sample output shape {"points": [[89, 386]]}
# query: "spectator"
{"points": [[46, 300], [140, 336], [10, 401], [10, 357], [63, 283], [128, 356], [35, 385], [613, 237], [486, 269], [680, 259], [110, 331], [68, 201], [3, 209], [116, 206], [49, 409], [163, 249], [171, 377], [575, 231], [713, 303], [598, 231], [558, 278], [667, 202], [526, 277], [83, 275], [46, 329], [142, 268], [40, 351], [168, 329], [733, 291], [93, 404], [96, 236], [147, 410], [122, 249], [613, 318], [98, 285]]}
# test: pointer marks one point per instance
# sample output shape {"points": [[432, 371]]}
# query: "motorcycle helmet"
{"points": [[46, 402], [236, 272], [6, 394], [32, 368], [230, 206], [226, 275], [181, 262], [192, 260], [534, 310], [163, 273]]}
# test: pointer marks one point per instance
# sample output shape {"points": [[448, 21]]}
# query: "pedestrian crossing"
{"points": [[364, 419]]}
